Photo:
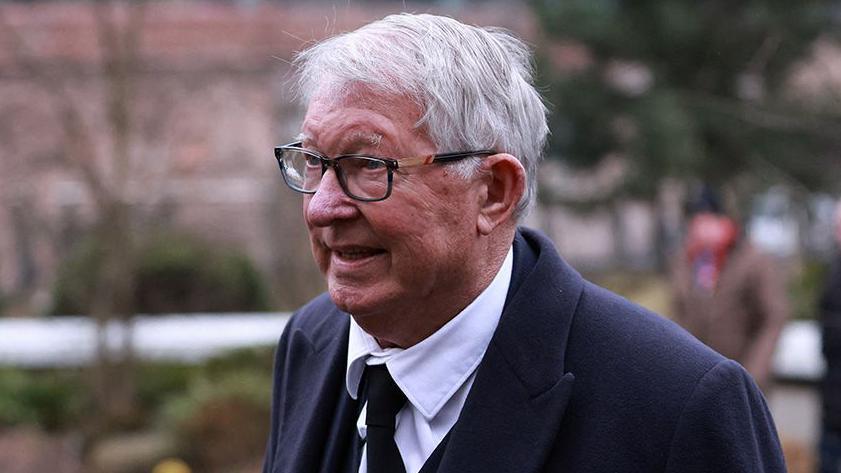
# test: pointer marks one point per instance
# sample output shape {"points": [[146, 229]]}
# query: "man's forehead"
{"points": [[359, 94], [351, 121], [359, 119]]}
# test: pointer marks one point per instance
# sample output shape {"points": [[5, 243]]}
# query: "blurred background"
{"points": [[149, 250]]}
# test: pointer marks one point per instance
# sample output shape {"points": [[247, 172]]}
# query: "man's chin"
{"points": [[351, 300]]}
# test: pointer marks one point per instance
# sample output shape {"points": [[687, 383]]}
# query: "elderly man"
{"points": [[451, 340]]}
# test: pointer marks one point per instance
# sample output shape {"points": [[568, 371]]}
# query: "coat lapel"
{"points": [[514, 410], [319, 431]]}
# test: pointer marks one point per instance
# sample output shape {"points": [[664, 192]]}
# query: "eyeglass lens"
{"points": [[361, 177]]}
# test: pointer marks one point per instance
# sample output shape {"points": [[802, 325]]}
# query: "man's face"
{"points": [[412, 254]]}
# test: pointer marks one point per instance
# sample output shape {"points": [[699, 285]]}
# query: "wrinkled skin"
{"points": [[404, 266]]}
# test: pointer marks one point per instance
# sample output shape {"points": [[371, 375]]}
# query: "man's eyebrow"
{"points": [[357, 141], [364, 137], [368, 138]]}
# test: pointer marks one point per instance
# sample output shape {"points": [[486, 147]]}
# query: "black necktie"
{"points": [[384, 402]]}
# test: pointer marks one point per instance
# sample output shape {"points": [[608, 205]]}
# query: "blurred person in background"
{"points": [[727, 292], [450, 339], [830, 319]]}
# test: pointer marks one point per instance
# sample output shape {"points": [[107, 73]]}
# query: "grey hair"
{"points": [[474, 85]]}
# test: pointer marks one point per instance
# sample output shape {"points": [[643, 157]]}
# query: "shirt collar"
{"points": [[430, 372]]}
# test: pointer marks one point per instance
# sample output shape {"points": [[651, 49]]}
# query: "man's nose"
{"points": [[329, 203]]}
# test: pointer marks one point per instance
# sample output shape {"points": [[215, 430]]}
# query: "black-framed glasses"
{"points": [[362, 177]]}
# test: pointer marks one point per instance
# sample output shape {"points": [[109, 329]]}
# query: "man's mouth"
{"points": [[358, 253], [354, 254]]}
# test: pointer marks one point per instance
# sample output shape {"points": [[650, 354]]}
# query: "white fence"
{"points": [[71, 341]]}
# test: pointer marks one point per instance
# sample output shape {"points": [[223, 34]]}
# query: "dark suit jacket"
{"points": [[575, 379]]}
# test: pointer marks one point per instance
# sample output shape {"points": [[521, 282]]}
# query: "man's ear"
{"points": [[505, 181]]}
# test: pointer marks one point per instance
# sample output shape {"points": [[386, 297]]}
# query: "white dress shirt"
{"points": [[435, 374]]}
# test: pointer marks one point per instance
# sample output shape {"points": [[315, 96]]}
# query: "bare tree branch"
{"points": [[81, 153]]}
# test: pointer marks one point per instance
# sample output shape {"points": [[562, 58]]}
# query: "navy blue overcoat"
{"points": [[575, 379]]}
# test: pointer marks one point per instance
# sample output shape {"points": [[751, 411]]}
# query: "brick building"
{"points": [[206, 96]]}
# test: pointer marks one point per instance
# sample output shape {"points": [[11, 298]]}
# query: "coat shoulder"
{"points": [[637, 372], [636, 336]]}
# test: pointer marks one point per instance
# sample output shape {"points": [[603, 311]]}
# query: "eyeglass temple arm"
{"points": [[419, 161], [443, 158]]}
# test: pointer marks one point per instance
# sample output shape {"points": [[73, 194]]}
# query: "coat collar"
{"points": [[514, 410]]}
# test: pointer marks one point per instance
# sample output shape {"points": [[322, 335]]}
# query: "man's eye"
{"points": [[373, 165]]}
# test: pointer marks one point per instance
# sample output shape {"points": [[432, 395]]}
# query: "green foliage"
{"points": [[231, 394], [259, 359], [178, 274], [173, 274], [244, 373], [247, 385], [233, 389], [709, 101], [52, 399], [159, 382], [581, 119]]}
